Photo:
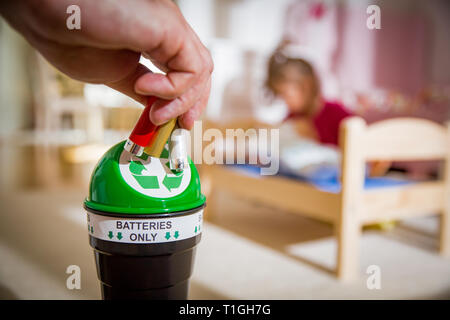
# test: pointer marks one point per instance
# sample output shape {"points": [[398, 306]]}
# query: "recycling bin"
{"points": [[144, 221]]}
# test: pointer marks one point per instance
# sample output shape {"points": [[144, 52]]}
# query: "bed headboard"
{"points": [[397, 139], [393, 139]]}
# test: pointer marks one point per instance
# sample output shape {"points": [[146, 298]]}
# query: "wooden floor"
{"points": [[247, 251]]}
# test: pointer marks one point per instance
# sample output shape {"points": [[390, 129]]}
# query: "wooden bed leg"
{"points": [[348, 226], [444, 241], [348, 234]]}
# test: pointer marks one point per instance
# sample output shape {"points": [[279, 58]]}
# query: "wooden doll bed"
{"points": [[353, 206]]}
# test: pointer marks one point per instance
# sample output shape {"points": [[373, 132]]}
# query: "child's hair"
{"points": [[280, 63]]}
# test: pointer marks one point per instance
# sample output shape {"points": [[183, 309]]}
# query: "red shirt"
{"points": [[327, 121]]}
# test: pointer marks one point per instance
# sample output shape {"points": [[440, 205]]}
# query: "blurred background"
{"points": [[54, 129]]}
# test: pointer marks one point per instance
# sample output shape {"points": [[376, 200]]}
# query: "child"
{"points": [[294, 80]]}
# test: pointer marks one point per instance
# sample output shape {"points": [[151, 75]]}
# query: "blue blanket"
{"points": [[325, 181]]}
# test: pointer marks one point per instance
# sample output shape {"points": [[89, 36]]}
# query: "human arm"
{"points": [[107, 48]]}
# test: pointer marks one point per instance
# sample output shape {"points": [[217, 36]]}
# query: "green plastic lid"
{"points": [[126, 184]]}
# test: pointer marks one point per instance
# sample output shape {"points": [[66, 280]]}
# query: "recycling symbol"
{"points": [[153, 176], [151, 181]]}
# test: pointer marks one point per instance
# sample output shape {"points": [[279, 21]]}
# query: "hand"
{"points": [[379, 168], [108, 46]]}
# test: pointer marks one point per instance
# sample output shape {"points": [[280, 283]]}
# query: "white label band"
{"points": [[145, 230]]}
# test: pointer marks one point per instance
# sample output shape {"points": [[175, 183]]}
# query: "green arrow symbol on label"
{"points": [[146, 182], [136, 167], [195, 231], [176, 235], [172, 182], [110, 235], [119, 235], [167, 235]]}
